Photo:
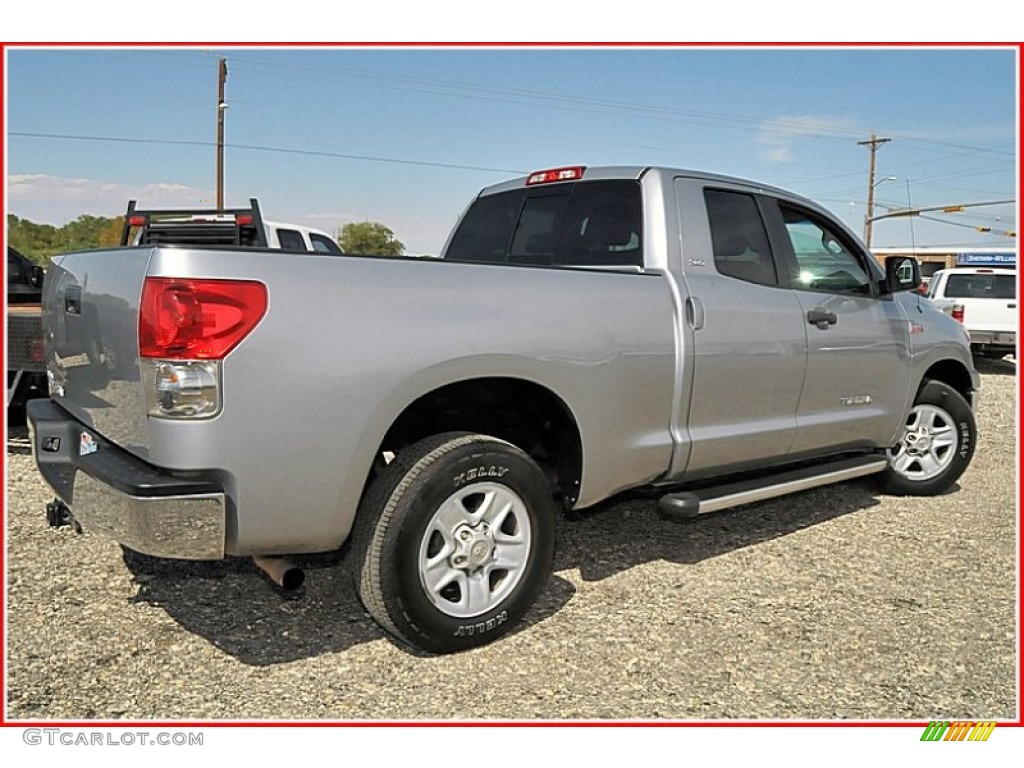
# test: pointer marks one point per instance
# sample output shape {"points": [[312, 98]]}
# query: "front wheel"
{"points": [[454, 540], [935, 446]]}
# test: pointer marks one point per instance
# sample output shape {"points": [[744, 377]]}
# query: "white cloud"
{"points": [[55, 199], [780, 135]]}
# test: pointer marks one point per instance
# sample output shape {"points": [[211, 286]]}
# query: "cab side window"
{"points": [[739, 239], [323, 244], [824, 261], [291, 240]]}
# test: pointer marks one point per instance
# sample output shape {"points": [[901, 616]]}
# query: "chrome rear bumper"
{"points": [[146, 508]]}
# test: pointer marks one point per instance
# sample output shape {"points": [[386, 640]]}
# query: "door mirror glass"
{"points": [[902, 273]]}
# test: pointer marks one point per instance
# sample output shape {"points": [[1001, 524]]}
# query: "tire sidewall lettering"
{"points": [[490, 472], [964, 429]]}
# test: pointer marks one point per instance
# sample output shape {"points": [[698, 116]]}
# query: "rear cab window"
{"points": [[581, 224], [981, 286]]}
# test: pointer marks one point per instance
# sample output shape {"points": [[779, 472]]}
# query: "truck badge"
{"points": [[856, 400]]}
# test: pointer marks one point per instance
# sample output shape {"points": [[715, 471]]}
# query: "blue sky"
{"points": [[407, 137]]}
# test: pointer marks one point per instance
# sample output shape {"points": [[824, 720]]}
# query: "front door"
{"points": [[858, 371]]}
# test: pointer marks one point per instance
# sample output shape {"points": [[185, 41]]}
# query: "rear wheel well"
{"points": [[523, 413]]}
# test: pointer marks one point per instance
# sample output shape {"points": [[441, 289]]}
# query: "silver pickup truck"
{"points": [[587, 331]]}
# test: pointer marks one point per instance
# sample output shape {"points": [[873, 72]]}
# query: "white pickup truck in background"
{"points": [[243, 227], [984, 299]]}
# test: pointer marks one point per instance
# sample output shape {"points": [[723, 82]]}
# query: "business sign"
{"points": [[986, 259]]}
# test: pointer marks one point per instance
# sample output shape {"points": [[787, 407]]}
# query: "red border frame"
{"points": [[121, 724]]}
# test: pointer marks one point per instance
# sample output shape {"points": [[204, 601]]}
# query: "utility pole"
{"points": [[874, 143], [222, 76]]}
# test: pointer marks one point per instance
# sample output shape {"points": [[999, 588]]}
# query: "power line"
{"points": [[557, 100], [985, 230], [263, 148]]}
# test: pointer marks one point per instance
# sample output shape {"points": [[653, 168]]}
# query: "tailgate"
{"points": [[990, 314], [90, 319], [989, 299]]}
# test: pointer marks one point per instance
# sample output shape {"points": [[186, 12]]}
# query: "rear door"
{"points": [[744, 333]]}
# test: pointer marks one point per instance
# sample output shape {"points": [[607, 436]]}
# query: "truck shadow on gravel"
{"points": [[235, 607], [1005, 366], [626, 531]]}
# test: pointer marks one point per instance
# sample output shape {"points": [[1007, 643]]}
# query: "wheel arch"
{"points": [[953, 373], [522, 412]]}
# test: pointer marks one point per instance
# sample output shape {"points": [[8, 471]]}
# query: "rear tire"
{"points": [[935, 446], [453, 541]]}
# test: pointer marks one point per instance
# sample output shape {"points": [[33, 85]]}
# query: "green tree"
{"points": [[370, 237], [40, 242], [110, 235]]}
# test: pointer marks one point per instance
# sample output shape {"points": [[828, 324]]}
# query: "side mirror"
{"points": [[902, 273], [37, 276]]}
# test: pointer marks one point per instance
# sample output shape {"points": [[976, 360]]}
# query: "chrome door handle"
{"points": [[695, 313]]}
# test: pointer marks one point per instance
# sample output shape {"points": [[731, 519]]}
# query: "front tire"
{"points": [[453, 541], [935, 446]]}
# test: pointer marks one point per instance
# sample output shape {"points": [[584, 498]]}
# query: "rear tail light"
{"points": [[958, 312], [197, 319], [186, 328]]}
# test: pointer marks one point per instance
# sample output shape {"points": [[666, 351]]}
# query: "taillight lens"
{"points": [[958, 312], [187, 319]]}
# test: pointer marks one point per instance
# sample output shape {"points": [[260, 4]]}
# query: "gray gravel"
{"points": [[834, 603]]}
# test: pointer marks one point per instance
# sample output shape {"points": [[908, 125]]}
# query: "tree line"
{"points": [[40, 242]]}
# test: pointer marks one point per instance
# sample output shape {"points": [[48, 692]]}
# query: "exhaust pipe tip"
{"points": [[281, 571]]}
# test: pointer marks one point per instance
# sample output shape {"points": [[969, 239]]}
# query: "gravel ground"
{"points": [[831, 604]]}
